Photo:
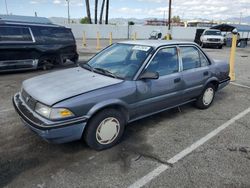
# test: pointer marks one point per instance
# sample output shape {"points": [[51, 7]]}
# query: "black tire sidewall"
{"points": [[199, 103], [90, 131]]}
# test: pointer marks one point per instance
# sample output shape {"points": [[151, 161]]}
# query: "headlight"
{"points": [[43, 110], [53, 113]]}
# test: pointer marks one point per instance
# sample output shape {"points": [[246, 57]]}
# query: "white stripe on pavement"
{"points": [[156, 172], [6, 110], [240, 85]]}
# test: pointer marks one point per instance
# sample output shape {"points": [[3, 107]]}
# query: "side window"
{"points": [[190, 57], [62, 34], [204, 61], [165, 62], [53, 35], [15, 34]]}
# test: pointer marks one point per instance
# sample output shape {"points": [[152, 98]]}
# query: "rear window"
{"points": [[15, 34]]}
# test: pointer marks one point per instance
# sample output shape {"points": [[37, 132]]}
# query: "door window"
{"points": [[165, 62], [192, 58], [15, 34]]}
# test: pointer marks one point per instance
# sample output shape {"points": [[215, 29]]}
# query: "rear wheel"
{"points": [[206, 98], [105, 129]]}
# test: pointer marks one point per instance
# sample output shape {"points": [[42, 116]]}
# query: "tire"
{"points": [[45, 63], [205, 100], [107, 121], [202, 45], [220, 47]]}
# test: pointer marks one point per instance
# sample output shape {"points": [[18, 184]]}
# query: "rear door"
{"points": [[164, 92], [195, 72]]}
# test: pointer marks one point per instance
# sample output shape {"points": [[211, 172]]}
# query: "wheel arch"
{"points": [[213, 81], [114, 104]]}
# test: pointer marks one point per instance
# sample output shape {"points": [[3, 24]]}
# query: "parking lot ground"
{"points": [[223, 161]]}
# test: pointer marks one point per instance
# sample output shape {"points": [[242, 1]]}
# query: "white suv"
{"points": [[212, 37]]}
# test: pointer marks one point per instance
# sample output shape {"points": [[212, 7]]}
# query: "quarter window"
{"points": [[204, 61], [165, 62], [15, 34]]}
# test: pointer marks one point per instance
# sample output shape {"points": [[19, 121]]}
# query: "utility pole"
{"points": [[240, 17], [164, 15], [107, 12], [68, 12], [169, 14], [6, 7]]}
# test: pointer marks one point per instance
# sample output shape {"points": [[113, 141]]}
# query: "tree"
{"points": [[101, 14], [107, 12], [131, 23], [176, 19], [96, 8], [84, 20], [88, 11]]}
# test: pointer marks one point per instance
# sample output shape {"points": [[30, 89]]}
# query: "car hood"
{"points": [[54, 87], [213, 37]]}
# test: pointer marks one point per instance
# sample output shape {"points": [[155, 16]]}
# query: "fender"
{"points": [[105, 104]]}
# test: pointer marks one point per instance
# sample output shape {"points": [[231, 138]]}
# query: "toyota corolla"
{"points": [[125, 82]]}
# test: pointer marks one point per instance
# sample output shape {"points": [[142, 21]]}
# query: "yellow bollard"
{"points": [[98, 45], [134, 36], [84, 39], [168, 36], [232, 57], [110, 38]]}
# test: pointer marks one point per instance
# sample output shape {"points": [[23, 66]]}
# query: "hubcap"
{"points": [[208, 96], [108, 130]]}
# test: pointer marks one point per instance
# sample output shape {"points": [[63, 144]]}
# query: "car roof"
{"points": [[156, 43]]}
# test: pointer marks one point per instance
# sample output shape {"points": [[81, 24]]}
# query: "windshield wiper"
{"points": [[87, 66], [107, 72]]}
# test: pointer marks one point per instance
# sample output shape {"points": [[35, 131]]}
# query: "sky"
{"points": [[188, 9]]}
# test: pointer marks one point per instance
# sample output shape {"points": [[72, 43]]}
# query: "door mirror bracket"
{"points": [[149, 75]]}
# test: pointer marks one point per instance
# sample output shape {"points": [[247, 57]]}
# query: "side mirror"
{"points": [[149, 75]]}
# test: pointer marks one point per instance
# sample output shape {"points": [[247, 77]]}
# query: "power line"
{"points": [[6, 7]]}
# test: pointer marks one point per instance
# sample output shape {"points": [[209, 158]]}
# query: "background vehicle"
{"points": [[125, 82], [156, 34], [32, 42], [212, 37]]}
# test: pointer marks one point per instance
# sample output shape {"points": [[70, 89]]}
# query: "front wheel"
{"points": [[45, 63], [105, 129], [206, 98]]}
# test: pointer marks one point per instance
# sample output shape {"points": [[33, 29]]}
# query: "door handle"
{"points": [[176, 80], [205, 73]]}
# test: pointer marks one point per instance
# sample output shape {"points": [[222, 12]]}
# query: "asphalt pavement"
{"points": [[221, 161]]}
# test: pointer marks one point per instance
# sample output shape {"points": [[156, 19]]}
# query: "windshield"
{"points": [[210, 32], [120, 60]]}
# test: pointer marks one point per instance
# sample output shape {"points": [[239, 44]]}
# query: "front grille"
{"points": [[213, 40], [28, 100]]}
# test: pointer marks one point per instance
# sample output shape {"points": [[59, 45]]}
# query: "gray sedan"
{"points": [[125, 82]]}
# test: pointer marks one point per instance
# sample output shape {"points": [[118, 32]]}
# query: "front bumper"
{"points": [[51, 131]]}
